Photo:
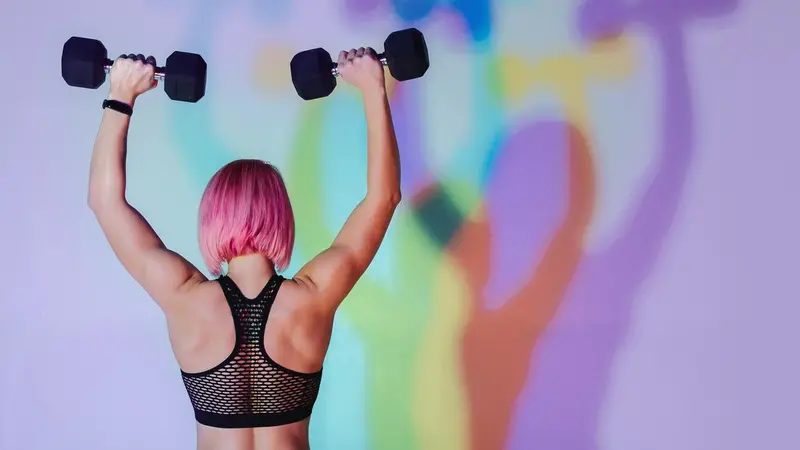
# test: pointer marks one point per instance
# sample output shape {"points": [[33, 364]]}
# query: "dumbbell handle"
{"points": [[159, 75], [381, 58]]}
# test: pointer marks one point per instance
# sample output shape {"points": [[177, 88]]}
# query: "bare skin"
{"points": [[297, 335], [199, 320]]}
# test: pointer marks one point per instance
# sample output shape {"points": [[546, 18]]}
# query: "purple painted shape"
{"points": [[526, 201], [414, 176], [561, 403]]}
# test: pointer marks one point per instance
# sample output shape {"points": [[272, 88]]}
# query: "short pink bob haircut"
{"points": [[245, 209]]}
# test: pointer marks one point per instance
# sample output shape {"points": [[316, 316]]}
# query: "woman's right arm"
{"points": [[164, 274], [333, 273]]}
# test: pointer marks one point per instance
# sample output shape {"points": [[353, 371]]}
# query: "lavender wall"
{"points": [[597, 247]]}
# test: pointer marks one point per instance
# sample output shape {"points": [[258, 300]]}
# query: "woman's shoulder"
{"points": [[297, 293], [200, 291]]}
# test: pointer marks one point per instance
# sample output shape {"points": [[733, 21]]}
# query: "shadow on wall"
{"points": [[551, 397]]}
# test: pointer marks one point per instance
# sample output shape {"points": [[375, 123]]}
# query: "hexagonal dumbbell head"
{"points": [[406, 54], [83, 61], [311, 74], [185, 77]]}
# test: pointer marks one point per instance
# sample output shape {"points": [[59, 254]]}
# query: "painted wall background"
{"points": [[597, 247]]}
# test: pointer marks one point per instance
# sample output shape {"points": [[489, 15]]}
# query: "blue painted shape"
{"points": [[340, 414]]}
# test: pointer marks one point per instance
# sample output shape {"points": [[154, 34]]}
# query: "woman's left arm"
{"points": [[162, 273]]}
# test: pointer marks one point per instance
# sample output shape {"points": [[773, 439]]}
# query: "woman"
{"points": [[250, 344]]}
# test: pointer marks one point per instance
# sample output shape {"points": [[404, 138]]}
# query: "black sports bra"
{"points": [[248, 389]]}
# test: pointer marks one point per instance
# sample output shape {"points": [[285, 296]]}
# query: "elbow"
{"points": [[391, 199], [383, 198], [92, 201], [99, 201], [95, 199], [95, 205], [105, 191], [394, 198]]}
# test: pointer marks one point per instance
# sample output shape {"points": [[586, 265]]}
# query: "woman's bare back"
{"points": [[296, 337]]}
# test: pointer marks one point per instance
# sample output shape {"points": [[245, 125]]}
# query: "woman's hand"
{"points": [[132, 75], [362, 69]]}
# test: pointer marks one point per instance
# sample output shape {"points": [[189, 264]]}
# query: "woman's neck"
{"points": [[251, 272]]}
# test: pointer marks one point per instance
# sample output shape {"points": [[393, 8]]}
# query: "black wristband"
{"points": [[118, 106]]}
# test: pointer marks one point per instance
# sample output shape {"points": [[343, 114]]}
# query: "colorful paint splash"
{"points": [[485, 323]]}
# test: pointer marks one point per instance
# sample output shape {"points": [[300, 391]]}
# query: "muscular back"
{"points": [[296, 336]]}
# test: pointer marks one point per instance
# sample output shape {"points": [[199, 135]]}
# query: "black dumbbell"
{"points": [[404, 52], [84, 63]]}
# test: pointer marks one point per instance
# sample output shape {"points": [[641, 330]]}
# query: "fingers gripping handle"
{"points": [[160, 74], [381, 57]]}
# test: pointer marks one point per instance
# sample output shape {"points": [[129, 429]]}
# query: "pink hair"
{"points": [[245, 209]]}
